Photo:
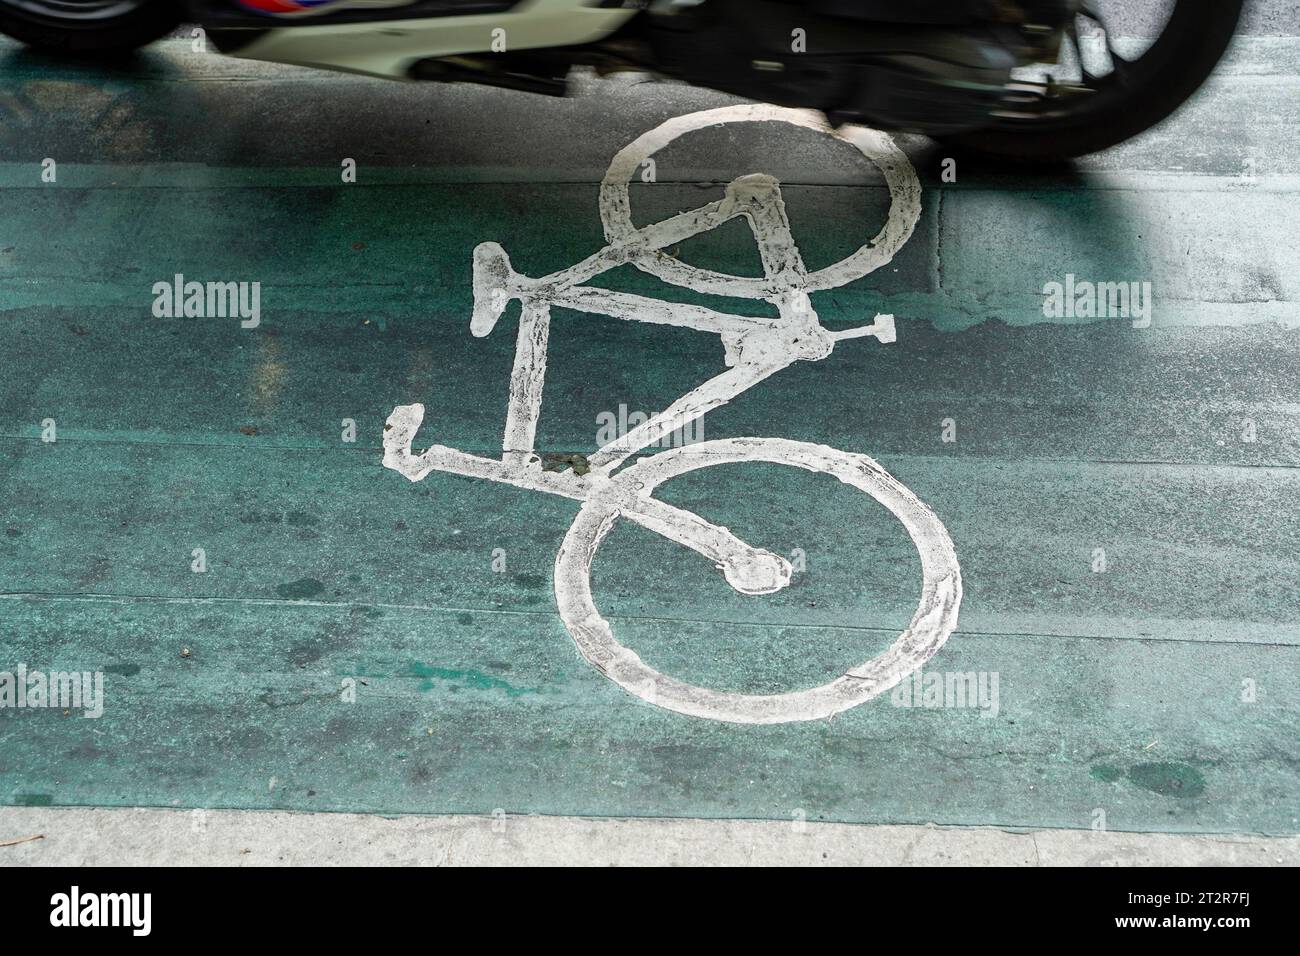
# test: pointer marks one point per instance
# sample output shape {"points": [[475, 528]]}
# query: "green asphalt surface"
{"points": [[1175, 449]]}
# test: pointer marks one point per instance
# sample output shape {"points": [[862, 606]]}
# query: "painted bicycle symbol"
{"points": [[755, 348]]}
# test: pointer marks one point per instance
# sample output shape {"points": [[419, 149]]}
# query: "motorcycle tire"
{"points": [[1156, 84], [90, 28]]}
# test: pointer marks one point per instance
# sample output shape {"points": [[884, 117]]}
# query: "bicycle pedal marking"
{"points": [[754, 349]]}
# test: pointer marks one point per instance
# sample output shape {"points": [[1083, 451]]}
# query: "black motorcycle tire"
{"points": [[90, 29], [1194, 40]]}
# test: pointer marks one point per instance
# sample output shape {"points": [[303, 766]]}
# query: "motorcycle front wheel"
{"points": [[88, 27], [1107, 89]]}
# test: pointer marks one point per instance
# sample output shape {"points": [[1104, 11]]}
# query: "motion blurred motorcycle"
{"points": [[1022, 80]]}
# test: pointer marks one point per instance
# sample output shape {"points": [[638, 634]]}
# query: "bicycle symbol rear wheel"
{"points": [[933, 622]]}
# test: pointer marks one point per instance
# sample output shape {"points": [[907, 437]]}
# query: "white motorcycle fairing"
{"points": [[388, 48]]}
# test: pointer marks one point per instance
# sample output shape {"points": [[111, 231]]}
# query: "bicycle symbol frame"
{"points": [[754, 349]]}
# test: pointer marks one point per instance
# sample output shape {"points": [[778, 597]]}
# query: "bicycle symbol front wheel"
{"points": [[934, 620]]}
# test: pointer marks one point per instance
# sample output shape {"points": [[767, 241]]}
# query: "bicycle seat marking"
{"points": [[754, 349]]}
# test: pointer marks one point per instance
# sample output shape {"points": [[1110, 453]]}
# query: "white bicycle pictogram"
{"points": [[754, 349]]}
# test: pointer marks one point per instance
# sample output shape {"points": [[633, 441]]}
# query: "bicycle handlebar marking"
{"points": [[755, 348]]}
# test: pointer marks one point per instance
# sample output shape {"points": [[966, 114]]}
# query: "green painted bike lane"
{"points": [[1120, 690]]}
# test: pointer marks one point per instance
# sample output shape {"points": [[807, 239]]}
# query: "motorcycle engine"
{"points": [[929, 66]]}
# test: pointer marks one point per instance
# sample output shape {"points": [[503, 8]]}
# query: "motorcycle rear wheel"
{"points": [[1138, 95], [88, 27]]}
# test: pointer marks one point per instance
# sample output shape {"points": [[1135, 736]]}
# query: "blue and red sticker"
{"points": [[291, 8], [285, 7]]}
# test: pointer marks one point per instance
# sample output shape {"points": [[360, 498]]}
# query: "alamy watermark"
{"points": [[56, 690], [948, 690], [180, 299], [133, 911], [611, 426], [1082, 299]]}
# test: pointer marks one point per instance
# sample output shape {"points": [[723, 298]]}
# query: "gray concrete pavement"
{"points": [[100, 837]]}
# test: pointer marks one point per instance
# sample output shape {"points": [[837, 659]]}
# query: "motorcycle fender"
{"points": [[389, 48]]}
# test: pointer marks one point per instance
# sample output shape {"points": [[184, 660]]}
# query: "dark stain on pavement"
{"points": [[469, 679], [295, 519], [300, 590], [1106, 773], [306, 653], [1168, 779]]}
